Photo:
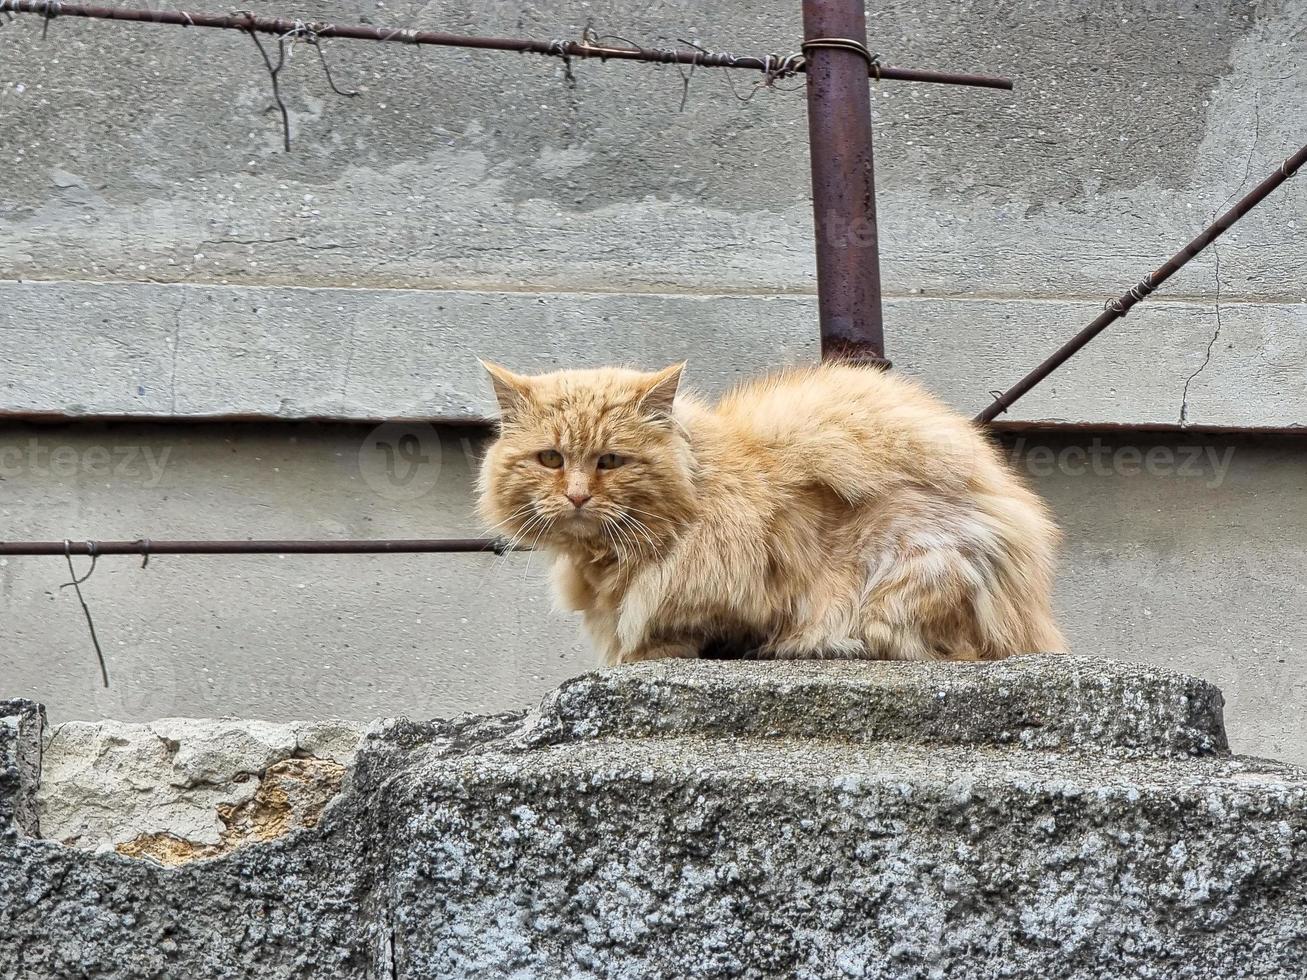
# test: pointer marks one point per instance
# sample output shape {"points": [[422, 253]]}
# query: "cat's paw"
{"points": [[809, 648], [659, 651]]}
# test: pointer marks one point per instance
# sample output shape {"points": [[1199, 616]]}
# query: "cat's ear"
{"points": [[658, 390], [511, 390]]}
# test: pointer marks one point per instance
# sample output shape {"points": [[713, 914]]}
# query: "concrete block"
{"points": [[707, 818], [744, 820], [1063, 703]]}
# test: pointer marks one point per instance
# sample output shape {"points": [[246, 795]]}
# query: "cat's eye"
{"points": [[551, 458], [610, 461]]}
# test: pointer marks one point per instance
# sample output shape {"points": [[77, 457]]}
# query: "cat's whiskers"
{"points": [[537, 520], [534, 528], [628, 532], [509, 537], [657, 517], [518, 514], [613, 542], [620, 536], [518, 539], [640, 528], [530, 555]]}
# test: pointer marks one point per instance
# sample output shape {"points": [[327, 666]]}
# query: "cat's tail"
{"points": [[1015, 611]]}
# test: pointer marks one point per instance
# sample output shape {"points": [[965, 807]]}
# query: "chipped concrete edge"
{"points": [[22, 723], [176, 790]]}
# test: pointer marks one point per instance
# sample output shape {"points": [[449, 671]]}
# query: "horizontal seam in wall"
{"points": [[1157, 300], [488, 424]]}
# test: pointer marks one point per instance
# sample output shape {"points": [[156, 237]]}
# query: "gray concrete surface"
{"points": [[476, 203], [194, 351], [575, 840], [1183, 552]]}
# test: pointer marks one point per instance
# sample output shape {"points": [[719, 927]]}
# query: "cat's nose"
{"points": [[578, 499]]}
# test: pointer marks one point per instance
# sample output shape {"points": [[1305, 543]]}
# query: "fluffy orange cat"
{"points": [[834, 511]]}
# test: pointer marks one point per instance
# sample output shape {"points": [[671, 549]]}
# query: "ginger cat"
{"points": [[833, 511]]}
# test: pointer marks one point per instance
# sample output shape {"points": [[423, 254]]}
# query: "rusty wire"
{"points": [[146, 547], [248, 22]]}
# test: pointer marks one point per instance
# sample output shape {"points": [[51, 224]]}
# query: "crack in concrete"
{"points": [[1216, 253], [349, 367], [248, 241], [1211, 344], [176, 343]]}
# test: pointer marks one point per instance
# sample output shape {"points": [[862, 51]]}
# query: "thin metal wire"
{"points": [[326, 70], [248, 22], [845, 44], [147, 547], [76, 584], [274, 73]]}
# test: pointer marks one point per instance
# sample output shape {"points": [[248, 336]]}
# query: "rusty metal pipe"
{"points": [[146, 547], [248, 22], [1119, 307], [843, 182]]}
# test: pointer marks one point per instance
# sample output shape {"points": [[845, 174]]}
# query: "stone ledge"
{"points": [[685, 820], [1047, 703]]}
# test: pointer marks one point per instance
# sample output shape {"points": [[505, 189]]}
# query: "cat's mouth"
{"points": [[577, 522], [586, 525]]}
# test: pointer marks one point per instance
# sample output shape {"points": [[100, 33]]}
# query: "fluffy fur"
{"points": [[834, 511]]}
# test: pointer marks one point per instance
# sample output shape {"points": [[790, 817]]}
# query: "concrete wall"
{"points": [[471, 203], [1187, 554], [162, 258]]}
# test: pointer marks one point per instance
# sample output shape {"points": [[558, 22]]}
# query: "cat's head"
{"points": [[591, 459]]}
